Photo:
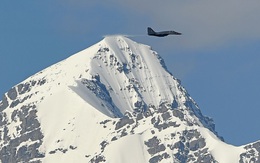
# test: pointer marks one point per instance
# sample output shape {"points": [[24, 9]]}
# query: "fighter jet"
{"points": [[151, 32]]}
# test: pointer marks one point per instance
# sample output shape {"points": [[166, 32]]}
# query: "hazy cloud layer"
{"points": [[204, 23]]}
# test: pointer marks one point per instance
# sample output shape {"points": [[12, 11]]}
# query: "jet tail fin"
{"points": [[150, 31]]}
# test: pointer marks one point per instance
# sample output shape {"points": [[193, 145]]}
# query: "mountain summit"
{"points": [[112, 102]]}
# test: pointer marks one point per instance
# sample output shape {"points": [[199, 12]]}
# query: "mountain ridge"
{"points": [[118, 93]]}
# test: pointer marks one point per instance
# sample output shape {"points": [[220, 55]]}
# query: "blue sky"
{"points": [[217, 58]]}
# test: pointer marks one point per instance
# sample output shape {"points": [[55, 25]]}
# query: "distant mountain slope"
{"points": [[112, 102]]}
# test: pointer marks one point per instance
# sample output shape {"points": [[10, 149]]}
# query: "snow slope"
{"points": [[112, 102]]}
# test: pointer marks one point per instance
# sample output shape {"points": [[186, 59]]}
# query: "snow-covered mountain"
{"points": [[112, 102]]}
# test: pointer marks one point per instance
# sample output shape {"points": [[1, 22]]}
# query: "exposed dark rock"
{"points": [[18, 101], [12, 94], [29, 130], [257, 146], [4, 103], [97, 159], [139, 116], [29, 120], [100, 90], [105, 121], [178, 113], [123, 133], [2, 120], [166, 116], [251, 154], [205, 158], [154, 146], [155, 120], [40, 82], [97, 88], [59, 149], [114, 138], [152, 142], [14, 114], [161, 126], [6, 138], [139, 106], [181, 157], [103, 144], [178, 145], [191, 140], [23, 154], [123, 121], [72, 147], [103, 49], [189, 134], [156, 149], [159, 158], [128, 114], [123, 68], [14, 103], [52, 152], [148, 112], [23, 88], [33, 82], [163, 107], [197, 144]]}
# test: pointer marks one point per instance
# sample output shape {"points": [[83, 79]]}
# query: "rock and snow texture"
{"points": [[112, 102]]}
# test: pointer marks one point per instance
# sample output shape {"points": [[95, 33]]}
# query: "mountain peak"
{"points": [[115, 96]]}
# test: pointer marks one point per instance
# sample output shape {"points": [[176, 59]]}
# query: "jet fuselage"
{"points": [[151, 32]]}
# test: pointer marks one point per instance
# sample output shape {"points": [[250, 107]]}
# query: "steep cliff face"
{"points": [[112, 102]]}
